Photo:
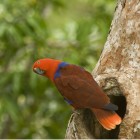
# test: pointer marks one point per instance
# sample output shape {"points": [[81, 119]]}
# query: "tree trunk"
{"points": [[118, 73]]}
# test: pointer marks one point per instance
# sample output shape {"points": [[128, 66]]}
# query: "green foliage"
{"points": [[74, 31]]}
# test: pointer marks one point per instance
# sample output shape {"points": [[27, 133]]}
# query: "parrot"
{"points": [[79, 89]]}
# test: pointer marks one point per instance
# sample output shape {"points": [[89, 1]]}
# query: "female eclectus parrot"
{"points": [[79, 89]]}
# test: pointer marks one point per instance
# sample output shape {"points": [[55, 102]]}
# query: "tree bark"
{"points": [[118, 73]]}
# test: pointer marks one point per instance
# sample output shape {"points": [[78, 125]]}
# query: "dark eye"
{"points": [[38, 62]]}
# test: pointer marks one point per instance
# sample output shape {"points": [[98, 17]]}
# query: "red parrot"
{"points": [[79, 89]]}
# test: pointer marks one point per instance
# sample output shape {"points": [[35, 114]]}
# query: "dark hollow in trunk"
{"points": [[120, 101]]}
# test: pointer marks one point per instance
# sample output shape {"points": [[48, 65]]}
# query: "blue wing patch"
{"points": [[68, 101], [61, 65]]}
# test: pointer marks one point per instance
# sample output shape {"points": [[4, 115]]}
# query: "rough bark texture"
{"points": [[118, 73]]}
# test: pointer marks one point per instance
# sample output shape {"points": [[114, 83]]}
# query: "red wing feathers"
{"points": [[78, 86], [71, 82], [80, 92]]}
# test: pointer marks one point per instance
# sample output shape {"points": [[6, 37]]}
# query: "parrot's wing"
{"points": [[73, 70], [81, 93], [70, 81]]}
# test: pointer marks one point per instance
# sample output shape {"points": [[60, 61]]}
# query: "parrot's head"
{"points": [[46, 67]]}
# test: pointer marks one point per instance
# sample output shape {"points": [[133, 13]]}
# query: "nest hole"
{"points": [[94, 127], [120, 101]]}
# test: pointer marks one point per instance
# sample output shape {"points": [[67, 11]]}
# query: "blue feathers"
{"points": [[61, 65], [68, 101], [111, 107]]}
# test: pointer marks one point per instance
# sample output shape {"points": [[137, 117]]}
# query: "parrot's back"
{"points": [[79, 87], [80, 90]]}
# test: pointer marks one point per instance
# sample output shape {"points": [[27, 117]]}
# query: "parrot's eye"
{"points": [[38, 62]]}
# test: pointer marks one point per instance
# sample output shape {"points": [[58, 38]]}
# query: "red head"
{"points": [[46, 67]]}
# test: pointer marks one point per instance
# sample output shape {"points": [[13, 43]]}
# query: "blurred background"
{"points": [[74, 31]]}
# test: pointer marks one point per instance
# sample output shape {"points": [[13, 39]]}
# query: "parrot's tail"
{"points": [[108, 119]]}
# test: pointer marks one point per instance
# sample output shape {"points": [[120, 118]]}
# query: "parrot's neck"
{"points": [[52, 69], [54, 72]]}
